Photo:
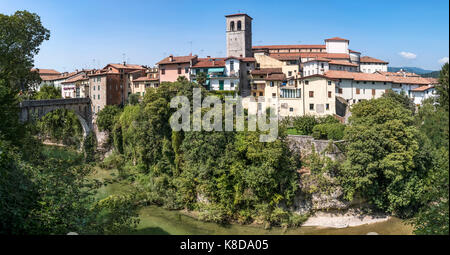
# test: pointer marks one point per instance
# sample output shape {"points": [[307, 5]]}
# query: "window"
{"points": [[290, 73], [272, 84], [306, 82], [311, 94], [163, 71], [232, 84], [357, 82], [327, 107], [186, 70], [98, 79], [340, 90], [254, 94], [373, 92], [93, 87], [232, 25], [321, 65], [260, 94], [311, 107], [357, 91], [329, 82], [329, 94], [239, 25], [291, 109], [231, 65], [373, 82], [98, 96], [98, 87], [179, 70]]}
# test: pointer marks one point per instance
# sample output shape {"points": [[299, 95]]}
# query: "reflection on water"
{"points": [[158, 221]]}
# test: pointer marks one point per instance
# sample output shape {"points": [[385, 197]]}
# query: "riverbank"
{"points": [[350, 218], [155, 220]]}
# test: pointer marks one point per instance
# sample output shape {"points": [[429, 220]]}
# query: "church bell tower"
{"points": [[239, 35]]}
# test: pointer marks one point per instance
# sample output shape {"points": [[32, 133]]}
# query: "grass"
{"points": [[293, 131], [61, 152]]}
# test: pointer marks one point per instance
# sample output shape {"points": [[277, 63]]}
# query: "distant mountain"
{"points": [[416, 70], [434, 74]]}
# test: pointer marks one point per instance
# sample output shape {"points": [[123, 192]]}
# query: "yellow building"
{"points": [[312, 95]]}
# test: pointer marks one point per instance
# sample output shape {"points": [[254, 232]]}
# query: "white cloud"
{"points": [[443, 60], [408, 55]]}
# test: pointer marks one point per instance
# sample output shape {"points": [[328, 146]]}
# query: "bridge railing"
{"points": [[48, 102]]}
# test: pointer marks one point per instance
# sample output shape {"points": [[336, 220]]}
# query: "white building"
{"points": [[372, 65]]}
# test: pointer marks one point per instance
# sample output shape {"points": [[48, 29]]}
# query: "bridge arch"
{"points": [[36, 109]]}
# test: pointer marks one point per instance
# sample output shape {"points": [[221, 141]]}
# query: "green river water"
{"points": [[158, 221], [155, 220]]}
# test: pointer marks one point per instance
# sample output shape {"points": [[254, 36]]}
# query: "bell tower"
{"points": [[239, 35]]}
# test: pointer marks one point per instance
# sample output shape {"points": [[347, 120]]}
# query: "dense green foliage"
{"points": [[433, 122], [47, 92], [442, 88], [226, 176], [401, 98], [329, 131], [42, 193], [61, 125], [304, 125]]}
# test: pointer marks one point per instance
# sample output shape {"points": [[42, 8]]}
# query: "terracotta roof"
{"points": [[297, 46], [209, 62], [367, 59], [45, 71], [276, 77], [353, 51], [76, 78], [317, 75], [145, 78], [336, 39], [238, 14], [357, 76], [342, 63], [423, 88], [432, 80], [176, 60], [127, 66], [399, 73], [267, 71], [409, 80]]}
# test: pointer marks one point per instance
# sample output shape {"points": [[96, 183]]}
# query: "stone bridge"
{"points": [[35, 109]]}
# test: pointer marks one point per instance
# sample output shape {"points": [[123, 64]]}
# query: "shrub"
{"points": [[304, 124], [330, 131]]}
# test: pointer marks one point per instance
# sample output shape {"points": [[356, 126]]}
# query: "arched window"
{"points": [[232, 25], [239, 25]]}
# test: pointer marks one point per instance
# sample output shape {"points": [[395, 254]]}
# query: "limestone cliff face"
{"points": [[305, 145]]}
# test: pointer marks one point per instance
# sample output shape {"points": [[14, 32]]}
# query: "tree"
{"points": [[401, 98], [133, 99], [433, 218], [48, 92], [21, 35], [442, 88], [383, 155], [201, 78], [107, 117]]}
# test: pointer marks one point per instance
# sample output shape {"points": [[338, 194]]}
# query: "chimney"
{"points": [[171, 58], [208, 56], [214, 61], [240, 55], [124, 63]]}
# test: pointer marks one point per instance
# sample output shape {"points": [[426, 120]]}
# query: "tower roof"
{"points": [[238, 14]]}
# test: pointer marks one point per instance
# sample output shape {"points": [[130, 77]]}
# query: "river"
{"points": [[158, 221]]}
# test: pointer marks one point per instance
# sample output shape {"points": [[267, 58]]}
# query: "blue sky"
{"points": [[86, 34]]}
